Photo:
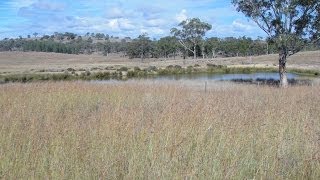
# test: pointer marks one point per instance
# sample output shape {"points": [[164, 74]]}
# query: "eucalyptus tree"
{"points": [[140, 47], [144, 45], [211, 46], [100, 36], [190, 34], [168, 45], [290, 24], [35, 34]]}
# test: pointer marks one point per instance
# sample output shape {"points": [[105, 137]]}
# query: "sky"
{"points": [[120, 17]]}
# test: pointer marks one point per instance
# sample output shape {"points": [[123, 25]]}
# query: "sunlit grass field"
{"points": [[138, 130]]}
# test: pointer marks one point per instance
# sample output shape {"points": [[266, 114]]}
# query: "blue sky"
{"points": [[120, 17]]}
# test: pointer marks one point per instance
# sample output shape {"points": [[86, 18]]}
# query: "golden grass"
{"points": [[77, 130], [32, 62]]}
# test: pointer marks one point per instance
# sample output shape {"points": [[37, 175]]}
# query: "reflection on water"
{"points": [[224, 77]]}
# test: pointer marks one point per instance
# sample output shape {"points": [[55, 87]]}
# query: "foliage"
{"points": [[289, 24], [191, 33], [168, 45], [140, 47]]}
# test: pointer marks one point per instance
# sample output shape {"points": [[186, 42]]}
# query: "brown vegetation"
{"points": [[33, 62], [158, 131]]}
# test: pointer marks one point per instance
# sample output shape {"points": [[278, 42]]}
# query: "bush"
{"points": [[123, 69], [211, 65], [136, 69], [163, 71], [189, 69], [109, 68], [71, 69], [132, 74], [175, 67], [101, 75], [95, 68], [151, 68]]}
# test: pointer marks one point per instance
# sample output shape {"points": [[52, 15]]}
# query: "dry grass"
{"points": [[21, 62], [79, 130]]}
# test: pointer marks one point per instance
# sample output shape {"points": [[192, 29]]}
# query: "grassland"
{"points": [[152, 130], [37, 62], [33, 66]]}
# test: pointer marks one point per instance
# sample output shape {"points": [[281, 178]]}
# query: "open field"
{"points": [[35, 62], [147, 130]]}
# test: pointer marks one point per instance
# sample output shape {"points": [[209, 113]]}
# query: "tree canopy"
{"points": [[290, 24], [190, 33]]}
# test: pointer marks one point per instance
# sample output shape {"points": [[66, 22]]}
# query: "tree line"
{"points": [[187, 40]]}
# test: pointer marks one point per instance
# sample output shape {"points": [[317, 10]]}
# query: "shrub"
{"points": [[123, 69], [101, 75], [131, 74], [151, 68], [71, 69], [109, 68], [136, 69], [189, 69], [211, 65]]}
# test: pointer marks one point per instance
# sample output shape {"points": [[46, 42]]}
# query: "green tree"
{"points": [[290, 24], [35, 34], [190, 34], [211, 46], [168, 45], [100, 36], [144, 45]]}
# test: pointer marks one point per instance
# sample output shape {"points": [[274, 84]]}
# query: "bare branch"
{"points": [[186, 47]]}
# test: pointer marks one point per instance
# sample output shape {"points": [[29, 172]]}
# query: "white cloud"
{"points": [[126, 17], [113, 24], [121, 24], [155, 22], [115, 12], [182, 15], [49, 5], [157, 31], [126, 24], [16, 4], [239, 25]]}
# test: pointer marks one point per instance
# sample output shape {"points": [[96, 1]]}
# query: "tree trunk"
{"points": [[194, 52], [282, 68], [202, 54], [213, 53], [142, 57]]}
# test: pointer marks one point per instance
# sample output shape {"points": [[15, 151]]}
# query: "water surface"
{"points": [[223, 77]]}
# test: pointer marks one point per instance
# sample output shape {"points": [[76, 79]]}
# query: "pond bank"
{"points": [[124, 73]]}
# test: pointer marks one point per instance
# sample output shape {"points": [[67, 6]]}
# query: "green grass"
{"points": [[140, 73], [305, 72], [78, 130]]}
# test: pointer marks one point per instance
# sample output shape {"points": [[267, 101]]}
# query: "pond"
{"points": [[267, 78], [225, 77]]}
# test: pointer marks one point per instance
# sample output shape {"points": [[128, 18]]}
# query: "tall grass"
{"points": [[77, 130]]}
